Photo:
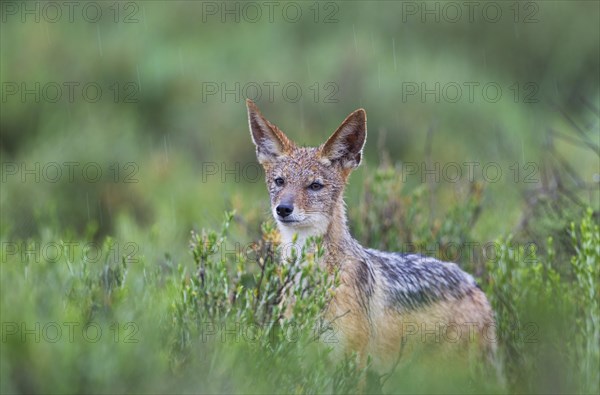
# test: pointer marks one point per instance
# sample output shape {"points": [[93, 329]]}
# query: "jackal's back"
{"points": [[413, 281], [400, 302]]}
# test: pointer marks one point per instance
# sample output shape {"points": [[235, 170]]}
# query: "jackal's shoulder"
{"points": [[411, 281]]}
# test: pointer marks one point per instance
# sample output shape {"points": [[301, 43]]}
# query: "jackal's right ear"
{"points": [[269, 140], [346, 144]]}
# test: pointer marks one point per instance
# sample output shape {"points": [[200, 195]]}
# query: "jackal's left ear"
{"points": [[269, 140], [347, 142]]}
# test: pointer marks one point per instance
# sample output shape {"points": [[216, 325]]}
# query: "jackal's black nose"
{"points": [[283, 210]]}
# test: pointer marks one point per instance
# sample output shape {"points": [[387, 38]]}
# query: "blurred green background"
{"points": [[173, 76], [157, 104]]}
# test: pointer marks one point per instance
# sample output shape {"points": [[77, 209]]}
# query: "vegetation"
{"points": [[227, 324], [104, 289]]}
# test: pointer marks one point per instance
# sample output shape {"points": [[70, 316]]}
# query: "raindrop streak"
{"points": [[47, 33], [99, 39], [302, 117], [522, 149], [484, 59], [109, 212], [166, 147], [100, 213], [372, 44], [379, 74], [139, 80], [87, 202], [69, 111], [173, 211], [308, 68], [180, 62], [394, 53], [355, 43], [144, 14]]}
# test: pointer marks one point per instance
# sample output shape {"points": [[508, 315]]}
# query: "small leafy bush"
{"points": [[545, 319], [254, 304]]}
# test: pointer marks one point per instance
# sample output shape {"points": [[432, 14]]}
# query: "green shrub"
{"points": [[586, 265], [250, 302], [545, 319]]}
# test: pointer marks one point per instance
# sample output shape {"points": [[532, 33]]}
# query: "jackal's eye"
{"points": [[315, 186], [279, 181]]}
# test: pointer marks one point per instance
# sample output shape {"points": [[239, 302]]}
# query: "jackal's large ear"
{"points": [[269, 140], [347, 142]]}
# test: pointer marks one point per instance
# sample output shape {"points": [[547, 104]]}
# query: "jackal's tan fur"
{"points": [[387, 305]]}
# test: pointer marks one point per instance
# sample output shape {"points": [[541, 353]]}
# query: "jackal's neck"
{"points": [[337, 240]]}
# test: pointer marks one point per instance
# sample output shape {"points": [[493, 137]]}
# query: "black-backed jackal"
{"points": [[387, 304]]}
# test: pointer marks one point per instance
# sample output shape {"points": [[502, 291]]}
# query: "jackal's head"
{"points": [[306, 183]]}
